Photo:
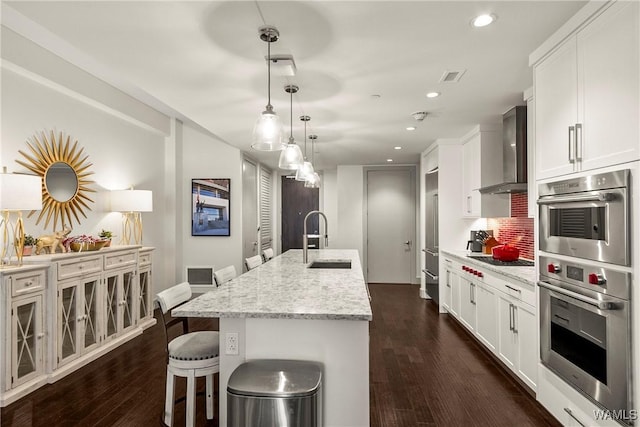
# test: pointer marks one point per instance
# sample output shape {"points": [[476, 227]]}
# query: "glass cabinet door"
{"points": [[90, 317], [111, 305], [27, 336], [144, 279], [68, 319], [128, 297]]}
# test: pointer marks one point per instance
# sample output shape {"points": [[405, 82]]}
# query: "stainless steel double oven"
{"points": [[585, 285]]}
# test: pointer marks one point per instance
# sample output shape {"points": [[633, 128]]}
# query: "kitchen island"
{"points": [[285, 310]]}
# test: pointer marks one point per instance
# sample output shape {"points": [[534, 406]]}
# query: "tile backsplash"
{"points": [[517, 230]]}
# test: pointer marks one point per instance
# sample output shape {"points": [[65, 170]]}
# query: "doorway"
{"points": [[391, 205], [250, 226], [297, 202]]}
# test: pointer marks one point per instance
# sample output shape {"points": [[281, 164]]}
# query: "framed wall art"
{"points": [[210, 204]]}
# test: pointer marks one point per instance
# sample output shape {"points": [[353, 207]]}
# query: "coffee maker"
{"points": [[477, 238]]}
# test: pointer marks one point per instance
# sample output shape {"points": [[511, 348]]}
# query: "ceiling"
{"points": [[363, 66]]}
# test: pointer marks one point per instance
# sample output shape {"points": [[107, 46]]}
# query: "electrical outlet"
{"points": [[231, 343]]}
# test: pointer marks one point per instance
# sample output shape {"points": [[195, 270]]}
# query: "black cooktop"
{"points": [[516, 263]]}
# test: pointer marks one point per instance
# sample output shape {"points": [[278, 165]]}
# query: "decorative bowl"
{"points": [[86, 246]]}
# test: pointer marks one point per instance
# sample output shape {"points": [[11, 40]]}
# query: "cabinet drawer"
{"points": [[144, 259], [27, 282], [79, 266], [518, 290], [119, 259]]}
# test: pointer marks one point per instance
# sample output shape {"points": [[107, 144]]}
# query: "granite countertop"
{"points": [[284, 288], [522, 274]]}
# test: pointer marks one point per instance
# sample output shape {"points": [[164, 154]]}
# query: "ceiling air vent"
{"points": [[452, 76]]}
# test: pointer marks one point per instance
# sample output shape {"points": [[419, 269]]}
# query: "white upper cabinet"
{"points": [[586, 96], [482, 166]]}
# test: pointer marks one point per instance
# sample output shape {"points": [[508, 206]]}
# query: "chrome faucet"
{"points": [[305, 236]]}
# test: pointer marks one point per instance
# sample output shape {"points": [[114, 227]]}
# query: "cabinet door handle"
{"points": [[579, 142], [40, 335], [510, 317], [568, 411], [468, 204], [515, 326], [572, 142], [29, 283], [513, 289]]}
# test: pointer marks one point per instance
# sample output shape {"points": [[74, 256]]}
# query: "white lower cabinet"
{"points": [[119, 302], [79, 323], [455, 293], [498, 312], [60, 311], [23, 339], [27, 344], [517, 331], [487, 307], [467, 303]]}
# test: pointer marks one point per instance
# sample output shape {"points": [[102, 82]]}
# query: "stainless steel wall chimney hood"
{"points": [[514, 153]]}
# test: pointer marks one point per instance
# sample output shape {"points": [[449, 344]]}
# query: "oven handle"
{"points": [[597, 197], [602, 305]]}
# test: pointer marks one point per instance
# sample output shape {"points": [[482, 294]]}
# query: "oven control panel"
{"points": [[600, 279]]}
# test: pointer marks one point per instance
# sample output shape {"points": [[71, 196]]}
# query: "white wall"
{"points": [[349, 226], [203, 156], [128, 143]]}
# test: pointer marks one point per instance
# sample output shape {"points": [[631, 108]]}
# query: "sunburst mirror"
{"points": [[64, 170]]}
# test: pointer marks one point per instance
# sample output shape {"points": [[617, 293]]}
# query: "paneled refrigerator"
{"points": [[431, 238]]}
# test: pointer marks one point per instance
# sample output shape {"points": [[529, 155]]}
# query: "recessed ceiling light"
{"points": [[411, 128], [433, 94], [483, 20], [389, 160], [397, 148]]}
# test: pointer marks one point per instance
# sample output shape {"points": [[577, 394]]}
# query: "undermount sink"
{"points": [[330, 263]]}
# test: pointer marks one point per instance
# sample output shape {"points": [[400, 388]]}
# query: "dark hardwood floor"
{"points": [[425, 371]]}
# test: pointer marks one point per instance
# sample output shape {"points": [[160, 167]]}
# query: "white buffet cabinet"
{"points": [[498, 308], [62, 311]]}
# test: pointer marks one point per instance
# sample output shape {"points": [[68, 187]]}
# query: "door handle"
{"points": [[515, 314], [572, 141], [579, 142], [510, 317]]}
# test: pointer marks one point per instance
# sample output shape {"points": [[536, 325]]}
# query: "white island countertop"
{"points": [[284, 288]]}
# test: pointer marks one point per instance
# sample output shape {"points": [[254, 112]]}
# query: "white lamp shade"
{"points": [[267, 133], [20, 192], [291, 157], [305, 172], [132, 201], [313, 182]]}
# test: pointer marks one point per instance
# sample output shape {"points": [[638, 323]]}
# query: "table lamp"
{"points": [[18, 193], [131, 203]]}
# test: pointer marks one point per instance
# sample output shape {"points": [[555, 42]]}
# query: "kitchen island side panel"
{"points": [[342, 346]]}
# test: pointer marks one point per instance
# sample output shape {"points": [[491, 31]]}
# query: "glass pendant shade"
{"points": [[313, 182], [267, 133], [305, 172], [291, 157]]}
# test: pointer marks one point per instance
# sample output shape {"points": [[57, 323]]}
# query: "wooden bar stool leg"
{"points": [[168, 404], [191, 399], [210, 396]]}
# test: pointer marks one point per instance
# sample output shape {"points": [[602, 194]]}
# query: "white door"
{"points": [[249, 209], [390, 225]]}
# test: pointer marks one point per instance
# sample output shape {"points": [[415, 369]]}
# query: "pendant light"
{"points": [[314, 180], [267, 133], [305, 171], [291, 157]]}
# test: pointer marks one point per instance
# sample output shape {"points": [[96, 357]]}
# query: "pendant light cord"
{"points": [[305, 140], [269, 71], [290, 116]]}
